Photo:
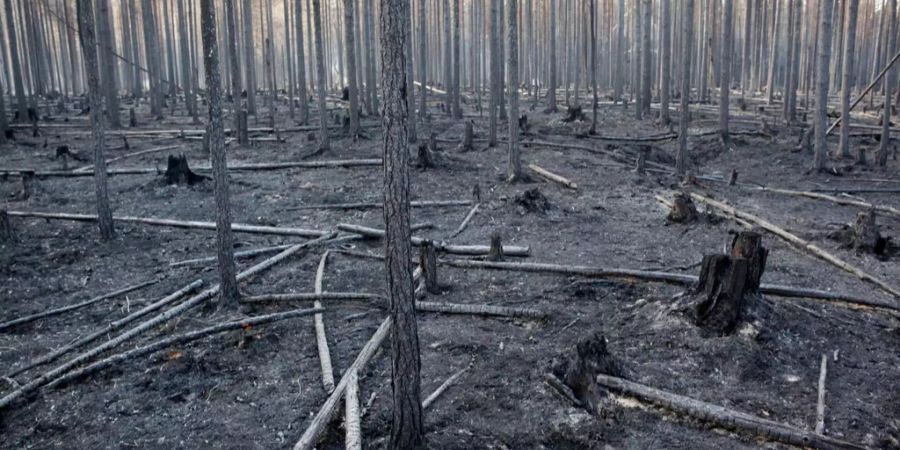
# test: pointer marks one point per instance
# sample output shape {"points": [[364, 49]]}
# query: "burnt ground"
{"points": [[258, 388]]}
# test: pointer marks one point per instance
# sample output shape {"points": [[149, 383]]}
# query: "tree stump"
{"points": [[425, 156], [132, 118], [523, 123], [25, 192], [428, 263], [863, 234], [732, 179], [722, 295], [640, 166], [748, 245], [574, 113], [7, 235], [178, 172], [242, 135], [579, 370], [468, 143], [496, 251], [683, 209]]}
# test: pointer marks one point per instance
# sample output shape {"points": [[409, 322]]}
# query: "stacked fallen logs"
{"points": [[475, 250]]}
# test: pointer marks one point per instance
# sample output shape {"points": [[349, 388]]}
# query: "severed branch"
{"points": [[64, 309], [353, 430], [379, 205], [552, 176], [725, 417], [113, 326], [798, 242], [466, 220], [314, 431], [181, 339], [820, 404], [443, 387], [479, 310], [324, 240], [321, 338]]}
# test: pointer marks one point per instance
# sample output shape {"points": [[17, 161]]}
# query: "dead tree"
{"points": [[320, 76], [620, 53], [496, 94], [302, 93], [18, 83], [109, 63], [847, 78], [215, 129], [249, 56], [646, 64], [89, 49], [687, 37], [151, 50], [889, 82], [423, 57], [353, 89], [514, 169], [407, 431], [824, 56], [456, 108], [725, 77], [551, 86], [665, 63]]}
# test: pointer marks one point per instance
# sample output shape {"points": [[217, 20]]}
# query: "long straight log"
{"points": [[377, 205], [309, 296], [820, 403], [479, 310], [353, 430], [840, 201], [105, 331], [142, 327], [726, 417], [181, 339], [199, 168], [324, 240], [466, 220], [868, 89], [237, 227], [552, 176], [664, 277], [129, 155], [314, 431], [443, 387], [55, 312], [475, 250], [798, 242], [321, 337]]}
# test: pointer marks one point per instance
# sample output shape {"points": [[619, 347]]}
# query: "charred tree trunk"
{"points": [[407, 430], [647, 57], [215, 129], [824, 56], [666, 63], [496, 95], [109, 64], [249, 57], [235, 66], [687, 37], [725, 78], [891, 44], [302, 92], [847, 82], [351, 68], [551, 87], [18, 83], [89, 49], [320, 76], [514, 169], [151, 43], [457, 61]]}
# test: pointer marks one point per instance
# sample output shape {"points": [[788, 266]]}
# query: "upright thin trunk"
{"points": [[407, 430], [410, 74], [369, 52], [423, 54], [725, 67], [18, 83], [301, 64], [848, 81], [184, 52], [687, 33], [595, 100], [457, 61], [646, 64], [151, 41], [351, 68], [620, 54], [889, 83], [773, 64], [89, 49], [495, 74], [551, 88], [250, 57], [448, 56], [235, 62], [137, 88], [745, 64], [169, 42], [514, 171], [666, 63], [289, 53], [824, 56], [320, 74]]}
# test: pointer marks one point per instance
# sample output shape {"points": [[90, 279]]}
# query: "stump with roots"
{"points": [[579, 369], [178, 172], [574, 113], [640, 166], [683, 209], [7, 235], [428, 263], [496, 251], [729, 284], [863, 235], [468, 142]]}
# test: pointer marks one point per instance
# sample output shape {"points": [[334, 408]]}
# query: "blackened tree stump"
{"points": [[683, 209], [468, 143], [6, 231], [748, 245], [863, 235], [496, 251], [428, 263], [575, 113], [579, 370], [178, 172], [425, 158]]}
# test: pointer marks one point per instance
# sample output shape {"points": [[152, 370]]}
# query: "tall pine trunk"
{"points": [[824, 56], [18, 83], [725, 67], [890, 46], [687, 39], [302, 92], [847, 76], [666, 63], [320, 75], [514, 169], [351, 68]]}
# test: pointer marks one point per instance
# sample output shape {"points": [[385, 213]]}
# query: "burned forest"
{"points": [[449, 224]]}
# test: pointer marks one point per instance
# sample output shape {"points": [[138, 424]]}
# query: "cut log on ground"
{"points": [[466, 220], [377, 205], [236, 227], [308, 296], [443, 387], [552, 176], [112, 327], [479, 310], [662, 277], [798, 242], [179, 340], [353, 430], [139, 329], [328, 239], [474, 250], [130, 155], [820, 403], [724, 417], [57, 311], [316, 427], [319, 322], [231, 168], [889, 210]]}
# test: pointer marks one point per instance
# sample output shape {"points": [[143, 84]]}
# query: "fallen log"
{"points": [[57, 311], [236, 227], [552, 176], [725, 417], [180, 339], [479, 310], [798, 242], [443, 387], [840, 201], [321, 337], [820, 403], [324, 240], [379, 205], [113, 326], [353, 430], [308, 296], [130, 155], [664, 277], [475, 250], [317, 426], [171, 313], [466, 220], [231, 168]]}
